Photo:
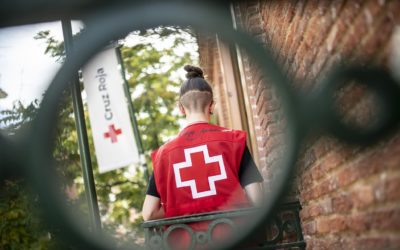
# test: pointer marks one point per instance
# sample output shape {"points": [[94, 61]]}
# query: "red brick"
{"points": [[252, 100], [323, 188], [289, 12], [273, 129], [349, 96], [385, 220], [337, 224], [263, 94], [256, 25], [333, 243], [261, 109], [317, 31], [323, 225], [306, 195], [315, 210], [257, 76], [316, 172], [358, 223], [309, 228], [369, 165], [342, 202], [322, 55], [363, 196], [375, 44], [270, 117], [352, 41], [262, 152], [304, 214], [307, 180], [394, 243], [261, 133], [326, 206], [254, 9], [388, 219], [297, 29], [392, 189], [272, 106], [347, 176], [321, 147], [369, 243], [341, 28], [334, 159], [297, 13], [272, 142], [309, 158], [331, 225]]}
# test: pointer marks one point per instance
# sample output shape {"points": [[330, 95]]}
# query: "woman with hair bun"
{"points": [[206, 167]]}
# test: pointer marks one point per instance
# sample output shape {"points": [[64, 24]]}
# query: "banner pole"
{"points": [[83, 141], [132, 113]]}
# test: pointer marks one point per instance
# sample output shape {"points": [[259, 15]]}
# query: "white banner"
{"points": [[113, 137]]}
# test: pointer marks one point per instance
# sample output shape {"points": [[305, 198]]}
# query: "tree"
{"points": [[153, 60], [20, 226]]}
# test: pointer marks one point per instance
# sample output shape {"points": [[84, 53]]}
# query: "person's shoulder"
{"points": [[236, 134], [170, 142], [220, 128]]}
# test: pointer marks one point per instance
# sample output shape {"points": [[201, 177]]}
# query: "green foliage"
{"points": [[154, 90], [20, 226], [54, 47], [152, 60], [18, 117]]}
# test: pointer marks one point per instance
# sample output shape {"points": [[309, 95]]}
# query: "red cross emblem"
{"points": [[112, 133], [199, 179]]}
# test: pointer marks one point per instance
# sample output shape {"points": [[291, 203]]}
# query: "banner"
{"points": [[113, 136]]}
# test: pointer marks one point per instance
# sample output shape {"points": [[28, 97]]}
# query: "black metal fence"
{"points": [[283, 230], [106, 21]]}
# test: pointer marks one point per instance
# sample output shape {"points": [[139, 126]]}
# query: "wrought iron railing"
{"points": [[111, 20], [283, 230]]}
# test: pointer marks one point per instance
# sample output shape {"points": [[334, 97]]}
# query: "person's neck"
{"points": [[197, 117]]}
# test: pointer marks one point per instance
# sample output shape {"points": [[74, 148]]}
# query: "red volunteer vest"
{"points": [[198, 171]]}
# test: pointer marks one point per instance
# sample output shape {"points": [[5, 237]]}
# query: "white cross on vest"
{"points": [[192, 183]]}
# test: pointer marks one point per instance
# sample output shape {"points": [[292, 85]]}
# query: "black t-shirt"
{"points": [[248, 173]]}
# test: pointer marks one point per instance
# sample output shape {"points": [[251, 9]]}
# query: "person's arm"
{"points": [[254, 193], [152, 208], [251, 179]]}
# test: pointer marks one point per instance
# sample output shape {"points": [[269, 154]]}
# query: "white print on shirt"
{"points": [[192, 183]]}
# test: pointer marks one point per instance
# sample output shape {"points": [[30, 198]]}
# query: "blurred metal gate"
{"points": [[111, 20]]}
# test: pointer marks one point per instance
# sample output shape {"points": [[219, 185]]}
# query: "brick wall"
{"points": [[349, 194]]}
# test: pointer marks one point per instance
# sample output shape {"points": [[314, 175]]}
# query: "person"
{"points": [[206, 167]]}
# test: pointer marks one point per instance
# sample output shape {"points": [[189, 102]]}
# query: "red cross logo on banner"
{"points": [[191, 173], [112, 133]]}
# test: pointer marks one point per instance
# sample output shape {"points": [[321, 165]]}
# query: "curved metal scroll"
{"points": [[116, 21]]}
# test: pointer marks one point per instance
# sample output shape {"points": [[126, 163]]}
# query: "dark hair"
{"points": [[195, 81]]}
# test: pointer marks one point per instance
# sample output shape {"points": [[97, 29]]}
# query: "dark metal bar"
{"points": [[132, 113], [200, 217], [20, 12], [155, 230], [297, 244], [83, 142], [298, 226], [122, 19]]}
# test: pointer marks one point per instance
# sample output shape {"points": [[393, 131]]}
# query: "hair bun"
{"points": [[193, 71]]}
